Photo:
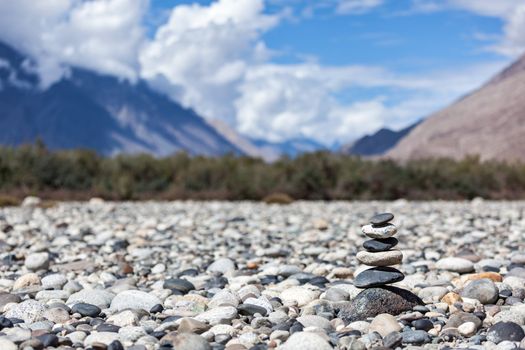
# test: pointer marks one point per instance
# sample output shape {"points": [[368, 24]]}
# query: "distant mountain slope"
{"points": [[98, 112], [244, 144], [290, 148], [378, 143], [489, 122]]}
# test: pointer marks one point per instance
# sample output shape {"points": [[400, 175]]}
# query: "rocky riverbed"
{"points": [[236, 276]]}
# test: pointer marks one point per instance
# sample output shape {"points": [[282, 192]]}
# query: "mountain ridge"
{"points": [[99, 112], [489, 122]]}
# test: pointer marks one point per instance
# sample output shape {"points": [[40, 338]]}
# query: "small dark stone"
{"points": [[284, 326], [319, 281], [374, 301], [393, 340], [179, 284], [269, 279], [416, 337], [171, 319], [158, 334], [352, 333], [380, 245], [96, 321], [106, 327], [502, 331], [189, 272], [86, 309], [115, 345], [156, 309], [216, 282], [15, 320], [120, 245], [48, 340], [378, 276], [421, 308], [5, 322], [512, 301], [423, 324], [481, 315], [303, 277], [382, 218], [296, 327], [505, 293], [490, 269], [250, 310]]}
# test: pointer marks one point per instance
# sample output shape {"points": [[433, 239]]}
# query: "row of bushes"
{"points": [[80, 174]]}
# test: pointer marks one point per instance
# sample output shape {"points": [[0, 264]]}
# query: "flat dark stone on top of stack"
{"points": [[380, 245], [380, 219]]}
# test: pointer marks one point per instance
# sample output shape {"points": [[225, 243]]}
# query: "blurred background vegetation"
{"points": [[82, 174]]}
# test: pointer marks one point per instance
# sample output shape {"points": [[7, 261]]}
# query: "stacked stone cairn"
{"points": [[378, 296], [379, 253]]}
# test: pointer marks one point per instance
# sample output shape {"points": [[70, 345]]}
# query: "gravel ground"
{"points": [[236, 276]]}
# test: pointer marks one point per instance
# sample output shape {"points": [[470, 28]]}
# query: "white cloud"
{"points": [[280, 102], [204, 51], [102, 35], [511, 12], [357, 6], [213, 59]]}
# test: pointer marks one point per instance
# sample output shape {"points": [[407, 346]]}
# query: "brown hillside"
{"points": [[490, 122]]}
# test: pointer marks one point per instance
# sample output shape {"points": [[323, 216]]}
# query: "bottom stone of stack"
{"points": [[374, 301]]}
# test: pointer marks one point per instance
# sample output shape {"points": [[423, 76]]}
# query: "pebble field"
{"points": [[245, 275]]}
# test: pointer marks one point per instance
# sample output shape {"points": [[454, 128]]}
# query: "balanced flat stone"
{"points": [[378, 276], [380, 245], [379, 231], [387, 258], [374, 301], [382, 218]]}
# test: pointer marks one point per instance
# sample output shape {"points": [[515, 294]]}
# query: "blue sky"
{"points": [[331, 70]]}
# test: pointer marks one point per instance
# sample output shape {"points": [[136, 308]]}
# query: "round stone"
{"points": [[380, 245], [467, 329], [250, 309], [134, 299], [502, 331], [387, 258], [86, 309], [218, 315], [29, 310], [179, 284], [6, 344], [378, 276], [380, 231], [384, 324], [186, 341], [37, 261], [453, 264], [223, 266], [100, 298], [374, 301], [315, 321], [483, 290], [382, 218], [423, 324], [306, 341], [416, 337]]}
